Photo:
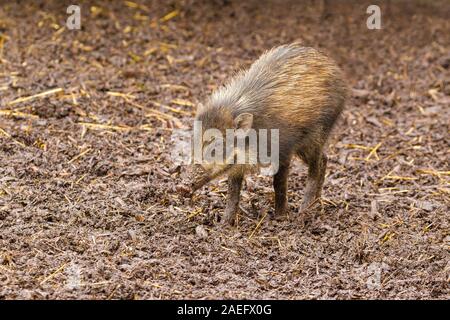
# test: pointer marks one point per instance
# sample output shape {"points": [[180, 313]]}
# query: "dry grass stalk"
{"points": [[39, 95]]}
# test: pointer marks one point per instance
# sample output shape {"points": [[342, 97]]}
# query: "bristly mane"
{"points": [[249, 89]]}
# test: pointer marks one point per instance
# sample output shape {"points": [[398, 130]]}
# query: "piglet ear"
{"points": [[243, 121]]}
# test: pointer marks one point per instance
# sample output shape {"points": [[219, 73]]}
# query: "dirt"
{"points": [[90, 201]]}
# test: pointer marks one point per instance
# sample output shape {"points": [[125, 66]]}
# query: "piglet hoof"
{"points": [[307, 204], [228, 219], [184, 191], [280, 211]]}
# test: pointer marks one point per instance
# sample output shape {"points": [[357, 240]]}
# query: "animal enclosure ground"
{"points": [[89, 201]]}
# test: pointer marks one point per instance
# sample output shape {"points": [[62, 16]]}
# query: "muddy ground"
{"points": [[89, 206]]}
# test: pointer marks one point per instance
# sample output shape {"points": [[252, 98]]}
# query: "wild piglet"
{"points": [[292, 94]]}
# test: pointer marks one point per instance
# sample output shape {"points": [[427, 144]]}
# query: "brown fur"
{"points": [[297, 90]]}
